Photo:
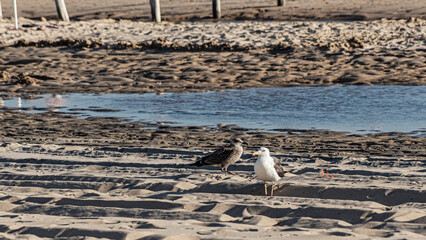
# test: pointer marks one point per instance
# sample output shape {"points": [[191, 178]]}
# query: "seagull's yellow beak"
{"points": [[255, 153]]}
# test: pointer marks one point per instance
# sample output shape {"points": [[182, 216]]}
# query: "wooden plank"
{"points": [[155, 10], [216, 8], [61, 8]]}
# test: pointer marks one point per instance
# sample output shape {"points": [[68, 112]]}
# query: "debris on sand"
{"points": [[22, 79], [26, 80], [4, 76]]}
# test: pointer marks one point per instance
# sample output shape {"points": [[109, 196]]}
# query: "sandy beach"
{"points": [[63, 176], [106, 55], [68, 177], [231, 9]]}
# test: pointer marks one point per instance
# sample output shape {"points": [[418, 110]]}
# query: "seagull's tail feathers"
{"points": [[198, 163]]}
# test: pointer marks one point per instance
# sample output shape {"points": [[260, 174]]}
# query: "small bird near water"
{"points": [[223, 157], [267, 168]]}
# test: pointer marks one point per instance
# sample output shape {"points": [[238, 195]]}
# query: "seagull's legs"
{"points": [[272, 189], [266, 190], [225, 170]]}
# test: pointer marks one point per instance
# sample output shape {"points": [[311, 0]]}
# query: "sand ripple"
{"points": [[58, 196]]}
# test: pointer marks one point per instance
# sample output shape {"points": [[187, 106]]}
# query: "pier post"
{"points": [[216, 9], [155, 10], [61, 8], [281, 3], [15, 14], [1, 12]]}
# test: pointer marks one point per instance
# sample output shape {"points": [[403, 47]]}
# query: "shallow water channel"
{"points": [[356, 109]]}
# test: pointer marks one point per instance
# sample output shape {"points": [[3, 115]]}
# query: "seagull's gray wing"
{"points": [[278, 168]]}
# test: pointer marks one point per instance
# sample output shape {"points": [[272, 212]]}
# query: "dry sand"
{"points": [[64, 177], [231, 9]]}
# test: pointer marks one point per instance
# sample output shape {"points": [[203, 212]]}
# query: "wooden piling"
{"points": [[281, 3], [1, 12], [216, 8], [61, 8], [15, 14], [155, 10]]}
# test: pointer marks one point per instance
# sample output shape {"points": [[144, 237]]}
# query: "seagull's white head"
{"points": [[263, 151]]}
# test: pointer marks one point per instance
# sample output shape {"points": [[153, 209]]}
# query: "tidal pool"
{"points": [[356, 109]]}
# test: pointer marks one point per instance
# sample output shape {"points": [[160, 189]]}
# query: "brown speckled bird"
{"points": [[223, 157]]}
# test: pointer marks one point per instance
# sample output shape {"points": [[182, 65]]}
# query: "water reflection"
{"points": [[55, 101], [19, 104]]}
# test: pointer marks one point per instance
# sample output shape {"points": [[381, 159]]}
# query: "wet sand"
{"points": [[130, 71], [67, 177]]}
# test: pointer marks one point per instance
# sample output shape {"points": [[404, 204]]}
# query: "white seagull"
{"points": [[267, 168]]}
